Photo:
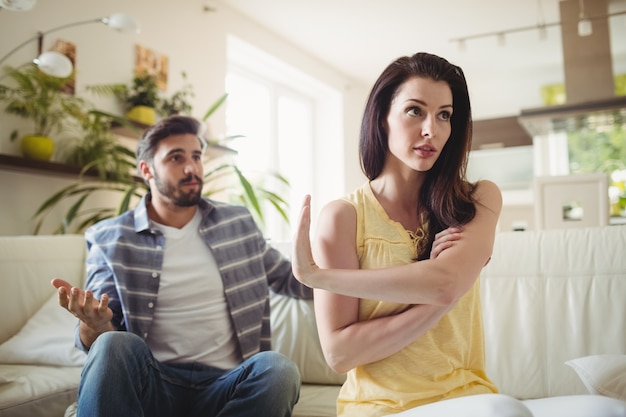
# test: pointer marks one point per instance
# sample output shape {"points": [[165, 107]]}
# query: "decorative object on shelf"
{"points": [[37, 96], [152, 62], [58, 66], [37, 147], [219, 178], [179, 101], [140, 99], [96, 148], [553, 94]]}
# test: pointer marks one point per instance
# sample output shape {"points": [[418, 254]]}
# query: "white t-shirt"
{"points": [[191, 319]]}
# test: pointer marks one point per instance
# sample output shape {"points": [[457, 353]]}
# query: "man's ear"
{"points": [[145, 170]]}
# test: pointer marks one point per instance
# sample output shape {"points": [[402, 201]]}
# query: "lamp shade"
{"points": [[17, 5], [121, 22], [54, 64]]}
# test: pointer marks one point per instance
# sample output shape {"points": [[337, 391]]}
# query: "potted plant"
{"points": [[140, 99], [95, 148], [179, 101], [39, 97], [222, 177]]}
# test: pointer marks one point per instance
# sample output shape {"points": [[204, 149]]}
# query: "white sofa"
{"points": [[548, 298]]}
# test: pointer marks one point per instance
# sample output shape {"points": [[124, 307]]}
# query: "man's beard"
{"points": [[175, 194]]}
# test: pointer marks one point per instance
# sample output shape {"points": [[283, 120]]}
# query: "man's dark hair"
{"points": [[173, 125]]}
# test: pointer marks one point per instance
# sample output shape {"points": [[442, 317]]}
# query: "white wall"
{"points": [[195, 42]]}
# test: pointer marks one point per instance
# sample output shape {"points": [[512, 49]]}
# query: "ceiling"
{"points": [[360, 37]]}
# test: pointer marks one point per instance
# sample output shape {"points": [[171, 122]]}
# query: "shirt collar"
{"points": [[142, 221]]}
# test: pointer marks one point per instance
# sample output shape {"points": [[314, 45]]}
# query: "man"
{"points": [[175, 311]]}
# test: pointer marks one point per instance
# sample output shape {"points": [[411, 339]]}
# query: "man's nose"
{"points": [[191, 168]]}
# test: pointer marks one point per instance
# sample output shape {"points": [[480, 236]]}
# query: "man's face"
{"points": [[177, 170]]}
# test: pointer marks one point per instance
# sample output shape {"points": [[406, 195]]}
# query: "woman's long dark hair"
{"points": [[446, 196]]}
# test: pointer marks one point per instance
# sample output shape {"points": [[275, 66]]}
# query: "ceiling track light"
{"points": [[584, 24], [541, 28]]}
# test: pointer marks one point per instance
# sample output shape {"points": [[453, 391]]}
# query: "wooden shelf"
{"points": [[19, 163], [214, 149], [129, 132]]}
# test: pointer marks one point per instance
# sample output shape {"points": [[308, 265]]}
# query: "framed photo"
{"points": [[147, 60], [69, 50], [569, 201]]}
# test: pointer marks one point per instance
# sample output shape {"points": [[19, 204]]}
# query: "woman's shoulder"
{"points": [[339, 209], [487, 193]]}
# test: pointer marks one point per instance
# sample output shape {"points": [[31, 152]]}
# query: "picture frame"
{"points": [[571, 201]]}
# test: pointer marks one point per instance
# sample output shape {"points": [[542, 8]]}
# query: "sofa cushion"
{"points": [[317, 401], [47, 338], [294, 334], [37, 390], [602, 374], [549, 297]]}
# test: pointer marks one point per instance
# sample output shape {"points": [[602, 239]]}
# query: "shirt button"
{"points": [[150, 305], [155, 274], [145, 335], [159, 247]]}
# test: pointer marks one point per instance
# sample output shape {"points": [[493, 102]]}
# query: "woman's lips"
{"points": [[425, 151]]}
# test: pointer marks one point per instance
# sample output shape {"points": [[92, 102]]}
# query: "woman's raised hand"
{"points": [[302, 262]]}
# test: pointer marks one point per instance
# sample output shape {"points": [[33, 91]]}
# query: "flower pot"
{"points": [[37, 147], [142, 114]]}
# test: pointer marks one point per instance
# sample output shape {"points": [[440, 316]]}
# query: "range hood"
{"points": [[589, 82], [597, 114]]}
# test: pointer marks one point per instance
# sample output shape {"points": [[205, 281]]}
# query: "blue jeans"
{"points": [[122, 378]]}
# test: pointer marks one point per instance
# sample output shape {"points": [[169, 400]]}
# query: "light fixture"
{"points": [[541, 26], [501, 40], [54, 64], [584, 24], [543, 33], [17, 5], [584, 28]]}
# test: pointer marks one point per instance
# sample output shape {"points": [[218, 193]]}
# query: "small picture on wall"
{"points": [[147, 60], [69, 50]]}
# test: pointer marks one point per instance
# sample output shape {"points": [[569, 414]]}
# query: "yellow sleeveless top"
{"points": [[447, 361]]}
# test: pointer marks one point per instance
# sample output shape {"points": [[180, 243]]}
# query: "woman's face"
{"points": [[418, 123]]}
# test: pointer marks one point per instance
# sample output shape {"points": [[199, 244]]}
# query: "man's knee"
{"points": [[279, 371], [276, 362], [117, 344]]}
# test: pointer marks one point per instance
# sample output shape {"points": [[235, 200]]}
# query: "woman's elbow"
{"points": [[451, 289], [338, 364]]}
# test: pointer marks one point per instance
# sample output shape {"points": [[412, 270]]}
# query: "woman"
{"points": [[408, 334]]}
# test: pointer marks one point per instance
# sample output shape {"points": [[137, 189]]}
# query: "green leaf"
{"points": [[214, 107]]}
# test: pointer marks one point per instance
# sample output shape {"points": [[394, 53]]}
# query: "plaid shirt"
{"points": [[125, 258]]}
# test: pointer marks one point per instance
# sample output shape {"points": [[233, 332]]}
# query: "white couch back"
{"points": [[27, 265], [549, 297]]}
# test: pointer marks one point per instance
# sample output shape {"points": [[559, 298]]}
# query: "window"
{"points": [[602, 150], [587, 151], [275, 109]]}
